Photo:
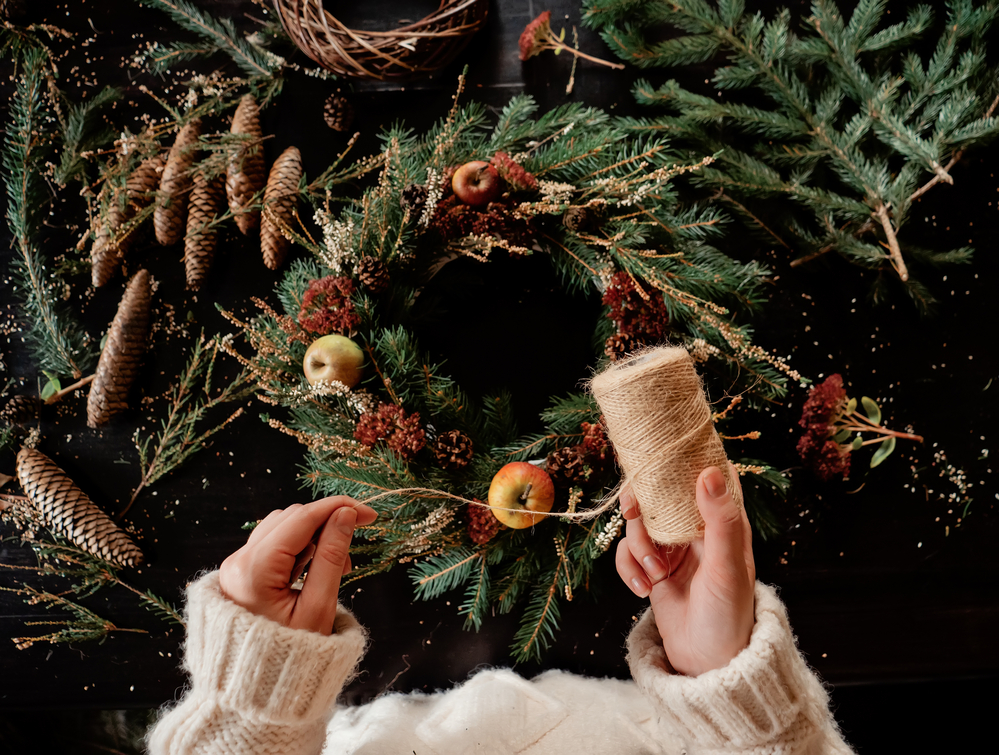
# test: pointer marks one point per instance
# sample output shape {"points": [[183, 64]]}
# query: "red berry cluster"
{"points": [[389, 422], [826, 403], [326, 306], [482, 525], [513, 173], [645, 319]]}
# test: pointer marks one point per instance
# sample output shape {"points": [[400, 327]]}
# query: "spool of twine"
{"points": [[659, 422]]}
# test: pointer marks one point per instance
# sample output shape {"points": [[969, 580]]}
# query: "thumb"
{"points": [[723, 527]]}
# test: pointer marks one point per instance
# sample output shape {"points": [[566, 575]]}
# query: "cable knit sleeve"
{"points": [[256, 686], [766, 700]]}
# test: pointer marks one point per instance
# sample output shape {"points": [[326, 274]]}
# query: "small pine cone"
{"points": [[453, 450], [373, 274], [68, 511], [414, 197], [338, 113], [566, 467], [199, 244], [20, 409], [482, 525], [280, 202], [175, 183], [618, 346], [246, 171], [576, 219], [119, 362], [11, 9]]}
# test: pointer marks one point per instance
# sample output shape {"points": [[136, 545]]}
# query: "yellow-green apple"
{"points": [[331, 358], [476, 183], [518, 490]]}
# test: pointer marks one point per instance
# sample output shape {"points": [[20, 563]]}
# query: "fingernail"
{"points": [[362, 508], [642, 588], [714, 481], [654, 567], [345, 519], [628, 504]]}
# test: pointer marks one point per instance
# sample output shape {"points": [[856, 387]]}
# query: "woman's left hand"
{"points": [[259, 575]]}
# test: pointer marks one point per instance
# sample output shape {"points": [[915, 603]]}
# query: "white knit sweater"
{"points": [[259, 687]]}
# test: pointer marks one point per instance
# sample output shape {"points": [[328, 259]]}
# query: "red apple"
{"points": [[476, 183], [517, 490], [333, 357]]}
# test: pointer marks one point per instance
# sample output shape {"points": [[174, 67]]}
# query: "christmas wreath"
{"points": [[380, 417]]}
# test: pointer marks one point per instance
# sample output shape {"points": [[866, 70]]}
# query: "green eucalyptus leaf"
{"points": [[841, 436], [872, 410], [52, 387], [851, 406], [883, 451], [857, 443]]}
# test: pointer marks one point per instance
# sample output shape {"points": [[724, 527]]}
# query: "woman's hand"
{"points": [[259, 575], [702, 594]]}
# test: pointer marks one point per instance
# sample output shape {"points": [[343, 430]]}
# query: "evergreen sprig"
{"points": [[56, 340], [83, 132], [842, 119]]}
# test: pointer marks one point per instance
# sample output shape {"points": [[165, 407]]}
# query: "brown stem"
{"points": [[527, 492], [895, 252], [937, 178], [763, 225], [7, 500], [560, 45], [69, 389]]}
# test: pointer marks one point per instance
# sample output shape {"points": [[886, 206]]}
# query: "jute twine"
{"points": [[660, 425]]}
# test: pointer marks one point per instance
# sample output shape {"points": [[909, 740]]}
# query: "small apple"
{"points": [[333, 357], [476, 183], [518, 489]]}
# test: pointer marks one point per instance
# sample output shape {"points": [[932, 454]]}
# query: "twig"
{"points": [[893, 248], [69, 389]]}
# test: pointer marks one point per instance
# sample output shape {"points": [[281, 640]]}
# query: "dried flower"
{"points": [[482, 525], [538, 37], [327, 307], [643, 317], [389, 422], [513, 173]]}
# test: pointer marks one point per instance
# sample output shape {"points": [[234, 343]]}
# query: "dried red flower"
{"points": [[825, 405], [327, 307], [645, 319], [513, 172], [534, 36], [482, 525], [389, 422]]}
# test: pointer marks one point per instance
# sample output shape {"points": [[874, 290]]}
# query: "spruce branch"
{"points": [[191, 398]]}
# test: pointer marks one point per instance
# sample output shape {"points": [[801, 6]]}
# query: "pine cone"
{"points": [[619, 346], [414, 197], [11, 9], [566, 467], [199, 244], [482, 525], [143, 181], [20, 409], [68, 511], [175, 183], [373, 274], [119, 362], [453, 450], [246, 170], [577, 219], [338, 113], [104, 258], [280, 202]]}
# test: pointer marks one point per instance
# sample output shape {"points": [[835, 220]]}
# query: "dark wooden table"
{"points": [[884, 579]]}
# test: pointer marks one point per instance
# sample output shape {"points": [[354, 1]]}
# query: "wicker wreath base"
{"points": [[409, 52]]}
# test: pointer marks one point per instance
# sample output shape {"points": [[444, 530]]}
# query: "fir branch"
{"points": [[82, 133], [190, 399], [219, 34], [56, 340]]}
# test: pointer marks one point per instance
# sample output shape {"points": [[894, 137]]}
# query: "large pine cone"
{"points": [[122, 354], [175, 183], [338, 113], [67, 510], [453, 450], [104, 258], [373, 274], [566, 467], [280, 202], [246, 170], [199, 244]]}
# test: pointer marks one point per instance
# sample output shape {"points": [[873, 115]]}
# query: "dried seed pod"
{"points": [[67, 510], [175, 183], [119, 362], [280, 203], [199, 244], [246, 170]]}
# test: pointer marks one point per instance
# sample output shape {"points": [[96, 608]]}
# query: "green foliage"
{"points": [[83, 132], [843, 126]]}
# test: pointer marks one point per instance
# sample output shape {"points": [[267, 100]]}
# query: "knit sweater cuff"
{"points": [[766, 695], [263, 670]]}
